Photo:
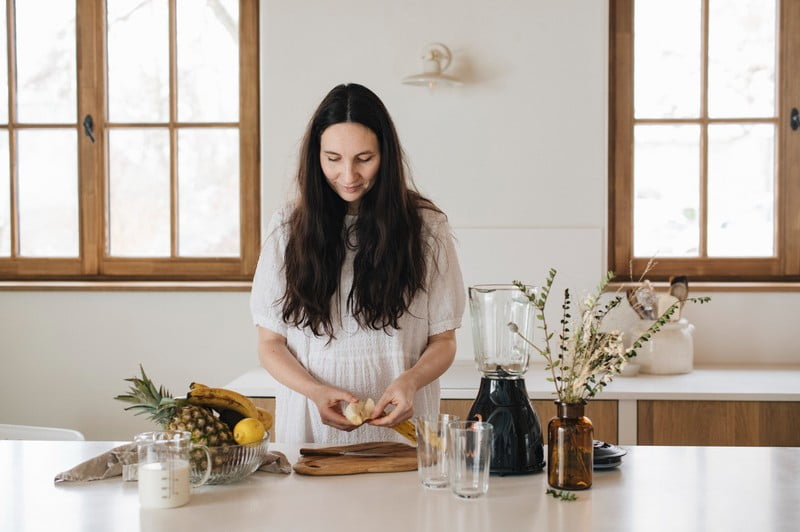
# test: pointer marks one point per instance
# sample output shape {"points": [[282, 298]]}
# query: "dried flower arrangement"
{"points": [[587, 358]]}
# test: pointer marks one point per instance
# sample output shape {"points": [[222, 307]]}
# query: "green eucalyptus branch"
{"points": [[660, 322], [608, 307], [561, 494], [544, 352], [540, 304], [564, 336]]}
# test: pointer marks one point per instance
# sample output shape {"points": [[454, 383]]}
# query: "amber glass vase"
{"points": [[570, 449]]}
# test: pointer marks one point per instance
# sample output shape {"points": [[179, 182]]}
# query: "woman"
{"points": [[358, 291]]}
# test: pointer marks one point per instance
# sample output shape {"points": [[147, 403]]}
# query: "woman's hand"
{"points": [[434, 360], [329, 403], [400, 394]]}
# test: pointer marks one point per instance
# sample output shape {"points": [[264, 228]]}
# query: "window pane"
{"points": [[139, 193], [138, 60], [208, 61], [208, 192], [741, 58], [5, 197], [48, 192], [3, 65], [666, 191], [666, 68], [46, 71], [741, 190]]}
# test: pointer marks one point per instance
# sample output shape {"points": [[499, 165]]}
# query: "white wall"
{"points": [[65, 354], [517, 157]]}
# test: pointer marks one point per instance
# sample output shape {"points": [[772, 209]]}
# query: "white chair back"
{"points": [[28, 432]]}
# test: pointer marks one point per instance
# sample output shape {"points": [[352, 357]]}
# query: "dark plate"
{"points": [[607, 455], [610, 465]]}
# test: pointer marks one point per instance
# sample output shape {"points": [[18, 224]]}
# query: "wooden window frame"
{"points": [[94, 262], [785, 266]]}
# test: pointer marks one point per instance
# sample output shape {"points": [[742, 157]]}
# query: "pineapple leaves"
{"points": [[175, 413]]}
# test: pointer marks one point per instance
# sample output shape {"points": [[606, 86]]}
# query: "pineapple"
{"points": [[178, 414]]}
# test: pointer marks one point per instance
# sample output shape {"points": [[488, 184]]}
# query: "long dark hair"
{"points": [[389, 266]]}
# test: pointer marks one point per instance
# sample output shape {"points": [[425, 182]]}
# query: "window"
{"points": [[704, 160], [129, 140]]}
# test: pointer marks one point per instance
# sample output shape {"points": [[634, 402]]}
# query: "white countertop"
{"points": [[718, 383], [673, 489]]}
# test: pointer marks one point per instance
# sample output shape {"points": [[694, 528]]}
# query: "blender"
{"points": [[502, 358]]}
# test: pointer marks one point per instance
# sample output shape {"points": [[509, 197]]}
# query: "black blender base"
{"points": [[517, 442]]}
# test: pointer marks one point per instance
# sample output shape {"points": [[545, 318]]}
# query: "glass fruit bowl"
{"points": [[231, 463]]}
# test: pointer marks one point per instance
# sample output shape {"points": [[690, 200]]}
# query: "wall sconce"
{"points": [[435, 60]]}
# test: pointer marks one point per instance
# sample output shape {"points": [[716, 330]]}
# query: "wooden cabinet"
{"points": [[707, 423], [602, 413], [741, 423]]}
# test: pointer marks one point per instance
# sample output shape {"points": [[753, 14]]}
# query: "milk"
{"points": [[164, 484]]}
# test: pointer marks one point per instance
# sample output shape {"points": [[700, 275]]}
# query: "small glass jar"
{"points": [[570, 448]]}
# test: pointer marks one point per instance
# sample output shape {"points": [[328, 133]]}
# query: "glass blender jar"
{"points": [[502, 358]]}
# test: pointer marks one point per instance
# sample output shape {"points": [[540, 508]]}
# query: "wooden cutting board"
{"points": [[394, 457]]}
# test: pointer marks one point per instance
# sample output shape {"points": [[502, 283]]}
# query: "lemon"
{"points": [[248, 430]]}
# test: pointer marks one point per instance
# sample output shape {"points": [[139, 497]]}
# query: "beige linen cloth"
{"points": [[110, 464]]}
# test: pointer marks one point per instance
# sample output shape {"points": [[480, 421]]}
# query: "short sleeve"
{"points": [[269, 281], [446, 295]]}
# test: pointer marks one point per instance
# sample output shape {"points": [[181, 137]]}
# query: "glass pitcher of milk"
{"points": [[164, 468]]}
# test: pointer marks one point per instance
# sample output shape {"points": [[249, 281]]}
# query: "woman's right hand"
{"points": [[329, 403]]}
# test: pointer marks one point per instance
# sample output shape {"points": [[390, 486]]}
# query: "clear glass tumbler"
{"points": [[470, 455], [432, 449]]}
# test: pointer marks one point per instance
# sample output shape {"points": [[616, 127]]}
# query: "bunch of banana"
{"points": [[224, 400], [358, 413]]}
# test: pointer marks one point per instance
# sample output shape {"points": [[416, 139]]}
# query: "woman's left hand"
{"points": [[400, 394]]}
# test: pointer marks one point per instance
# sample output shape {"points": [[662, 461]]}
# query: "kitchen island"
{"points": [[656, 488]]}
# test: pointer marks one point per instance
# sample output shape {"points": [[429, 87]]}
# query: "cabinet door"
{"points": [[602, 413], [745, 423]]}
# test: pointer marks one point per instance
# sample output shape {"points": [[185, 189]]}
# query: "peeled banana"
{"points": [[222, 399], [358, 413]]}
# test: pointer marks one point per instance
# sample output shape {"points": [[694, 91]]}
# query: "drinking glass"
{"points": [[432, 449], [470, 453]]}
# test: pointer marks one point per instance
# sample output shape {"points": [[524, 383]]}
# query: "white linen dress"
{"points": [[360, 360]]}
